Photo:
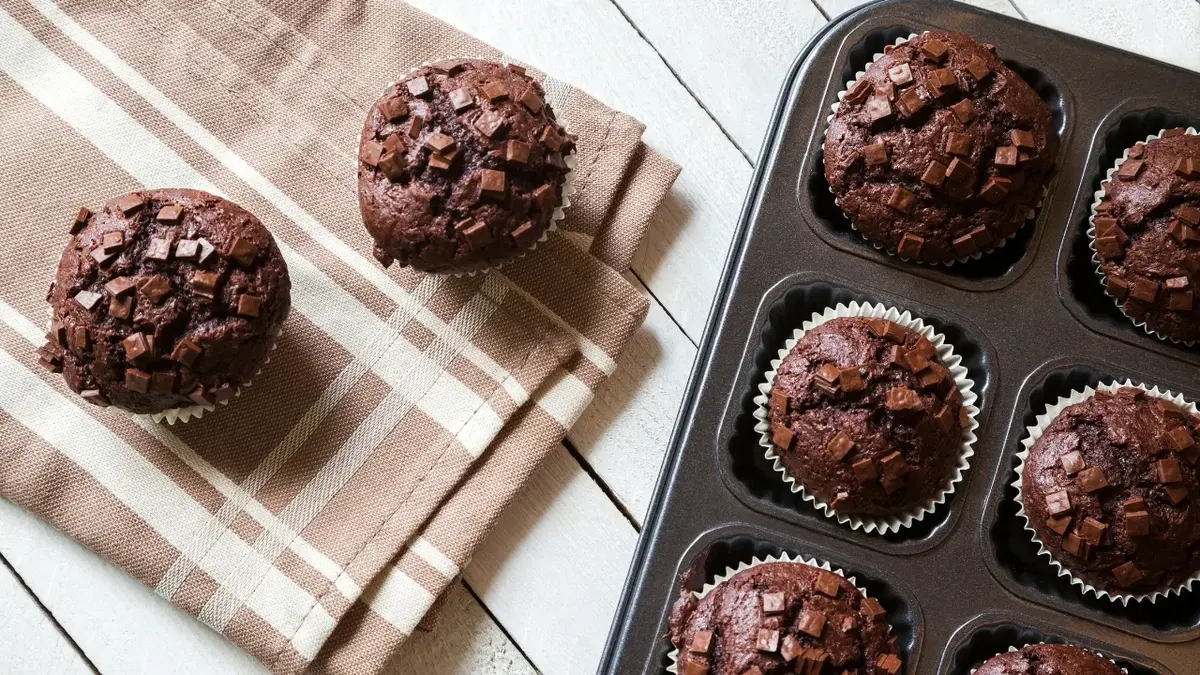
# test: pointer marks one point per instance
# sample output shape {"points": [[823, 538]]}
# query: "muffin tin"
{"points": [[1030, 320]]}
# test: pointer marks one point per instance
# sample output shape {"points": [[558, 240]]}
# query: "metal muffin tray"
{"points": [[1030, 320]]}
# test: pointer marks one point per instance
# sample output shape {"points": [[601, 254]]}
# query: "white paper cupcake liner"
{"points": [[1012, 649], [949, 359], [719, 579], [1091, 235], [1030, 215], [1034, 433], [566, 191]]}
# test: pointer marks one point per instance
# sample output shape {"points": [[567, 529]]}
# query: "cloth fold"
{"points": [[316, 519]]}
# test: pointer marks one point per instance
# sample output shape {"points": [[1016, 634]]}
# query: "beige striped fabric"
{"points": [[316, 519]]}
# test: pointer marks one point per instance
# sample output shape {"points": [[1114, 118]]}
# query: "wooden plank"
{"points": [[1166, 30], [590, 44], [552, 570], [465, 642], [624, 433], [835, 7], [733, 55], [33, 643]]}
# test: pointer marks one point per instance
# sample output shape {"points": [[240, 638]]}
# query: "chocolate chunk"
{"points": [[530, 99], [462, 99], [879, 112], [1175, 131], [1109, 248], [524, 235], [1177, 493], [130, 203], [155, 288], [414, 126], [162, 382], [517, 152], [204, 284], [546, 197], [964, 110], [935, 50], [187, 249], [1058, 503], [911, 103], [52, 363], [477, 235], [902, 200], [889, 663], [1180, 438], [768, 640], [903, 398], [910, 244], [94, 397], [137, 380], [695, 668], [1092, 479], [893, 464], [701, 642], [200, 396], [1116, 287], [1185, 167], [87, 299], [418, 86], [942, 81], [851, 380], [223, 393], [121, 308], [978, 68], [900, 74], [394, 109], [112, 241], [1006, 156], [439, 142], [489, 123], [243, 251], [872, 608], [248, 305], [1073, 463], [779, 401], [858, 92], [811, 622], [492, 182], [994, 190], [790, 648], [828, 584], [119, 286], [1144, 290], [773, 603], [876, 154], [896, 333], [57, 334], [958, 171], [1059, 524], [934, 174], [864, 471], [494, 91], [186, 352], [159, 249], [136, 347], [1127, 575], [1092, 531], [170, 214], [81, 219], [958, 144], [77, 339], [1137, 524], [439, 162], [1188, 214], [370, 152], [829, 373], [782, 437], [207, 250], [840, 446], [879, 327], [1168, 471], [551, 139], [1076, 546], [1130, 169]]}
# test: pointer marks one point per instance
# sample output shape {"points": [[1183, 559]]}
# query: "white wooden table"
{"points": [[540, 595]]}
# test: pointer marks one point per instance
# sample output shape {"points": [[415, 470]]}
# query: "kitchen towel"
{"points": [[316, 519]]}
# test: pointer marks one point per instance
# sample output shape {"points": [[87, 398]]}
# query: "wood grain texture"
{"points": [[835, 7], [552, 570], [466, 642], [590, 44], [32, 643]]}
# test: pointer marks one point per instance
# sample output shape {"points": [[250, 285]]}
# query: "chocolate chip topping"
{"points": [[477, 144], [1148, 238], [819, 623], [1048, 658], [882, 446], [1098, 489], [145, 328], [951, 150]]}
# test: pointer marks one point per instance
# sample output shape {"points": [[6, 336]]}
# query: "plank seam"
{"points": [[49, 615], [496, 621]]}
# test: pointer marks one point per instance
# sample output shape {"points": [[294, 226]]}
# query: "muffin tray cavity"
{"points": [[1030, 320]]}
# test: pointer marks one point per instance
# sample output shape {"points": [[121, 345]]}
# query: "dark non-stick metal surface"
{"points": [[1030, 320]]}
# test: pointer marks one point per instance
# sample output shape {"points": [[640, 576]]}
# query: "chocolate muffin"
{"points": [[866, 417], [1048, 660], [1147, 234], [165, 299], [1110, 490], [939, 151], [461, 166], [782, 617]]}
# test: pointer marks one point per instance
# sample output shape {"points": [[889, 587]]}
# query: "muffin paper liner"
{"points": [[719, 579], [1031, 215], [567, 189], [952, 362], [1012, 649], [1034, 433], [1091, 235], [186, 413]]}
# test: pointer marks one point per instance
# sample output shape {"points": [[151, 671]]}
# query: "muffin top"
{"points": [[1110, 489], [1148, 234], [1048, 660], [165, 299], [866, 416], [939, 150], [782, 618], [461, 166]]}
